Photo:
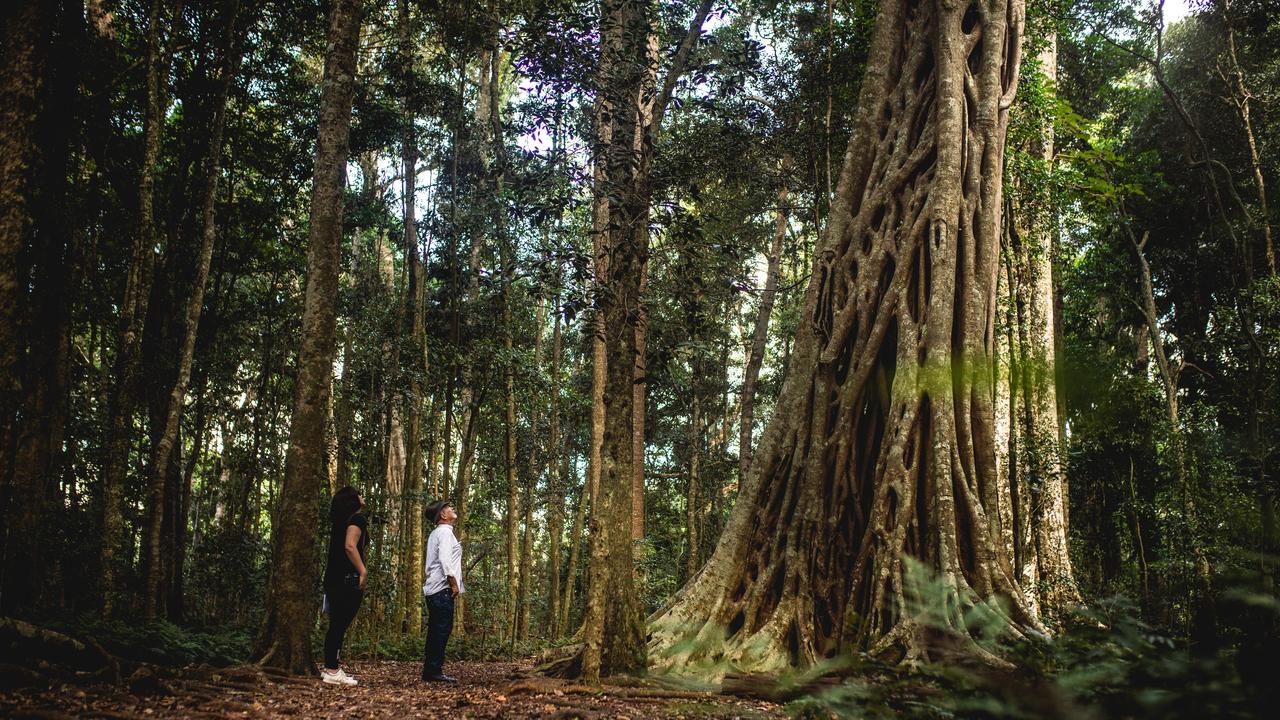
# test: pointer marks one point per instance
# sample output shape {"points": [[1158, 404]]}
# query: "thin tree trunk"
{"points": [[526, 564], [133, 313], [181, 526], [599, 243], [555, 480], [395, 459], [760, 333], [509, 463], [645, 101], [344, 410], [1240, 98], [164, 449], [285, 640], [692, 501], [455, 325], [575, 551], [505, 244], [412, 582], [639, 387], [826, 145], [534, 472], [1009, 518], [1168, 374], [1169, 378], [469, 398], [1141, 550]]}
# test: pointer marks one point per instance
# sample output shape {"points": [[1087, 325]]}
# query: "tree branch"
{"points": [[678, 65]]}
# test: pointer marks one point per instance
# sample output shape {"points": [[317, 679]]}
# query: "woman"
{"points": [[443, 584], [344, 576]]}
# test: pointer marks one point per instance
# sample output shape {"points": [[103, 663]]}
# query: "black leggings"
{"points": [[343, 604]]}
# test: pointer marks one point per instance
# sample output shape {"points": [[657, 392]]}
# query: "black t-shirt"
{"points": [[339, 564]]}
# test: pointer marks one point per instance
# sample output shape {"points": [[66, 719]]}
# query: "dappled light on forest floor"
{"points": [[387, 689]]}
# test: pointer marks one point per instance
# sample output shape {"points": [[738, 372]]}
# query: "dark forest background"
{"points": [[152, 331]]}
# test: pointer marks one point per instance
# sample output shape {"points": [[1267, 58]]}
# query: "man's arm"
{"points": [[452, 561], [432, 546]]}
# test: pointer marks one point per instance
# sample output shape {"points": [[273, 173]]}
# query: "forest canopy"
{"points": [[742, 336]]}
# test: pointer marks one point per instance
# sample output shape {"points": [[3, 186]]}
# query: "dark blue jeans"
{"points": [[439, 626]]}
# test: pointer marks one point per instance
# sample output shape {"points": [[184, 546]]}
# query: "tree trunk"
{"points": [[507, 250], [469, 398], [526, 563], [599, 243], [182, 526], [411, 593], [555, 480], [627, 128], [613, 635], [530, 485], [395, 460], [645, 101], [38, 85], [285, 640], [1036, 479], [23, 56], [133, 313], [575, 552], [760, 334], [1240, 96], [509, 460], [638, 390], [883, 438], [691, 498], [164, 448], [1169, 375]]}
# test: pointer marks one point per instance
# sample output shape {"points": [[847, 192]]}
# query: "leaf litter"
{"points": [[388, 689]]}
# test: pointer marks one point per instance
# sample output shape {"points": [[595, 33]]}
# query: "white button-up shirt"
{"points": [[444, 560]]}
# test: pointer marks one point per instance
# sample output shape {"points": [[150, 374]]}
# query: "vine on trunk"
{"points": [[882, 445]]}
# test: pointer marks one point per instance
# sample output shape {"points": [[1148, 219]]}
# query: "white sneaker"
{"points": [[337, 677]]}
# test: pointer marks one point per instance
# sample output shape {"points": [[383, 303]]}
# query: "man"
{"points": [[444, 583]]}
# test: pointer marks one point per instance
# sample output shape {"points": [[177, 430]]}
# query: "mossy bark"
{"points": [[285, 641], [882, 444]]}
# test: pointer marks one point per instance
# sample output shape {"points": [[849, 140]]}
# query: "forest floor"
{"points": [[387, 689]]}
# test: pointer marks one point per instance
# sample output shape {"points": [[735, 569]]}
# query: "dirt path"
{"points": [[387, 689]]}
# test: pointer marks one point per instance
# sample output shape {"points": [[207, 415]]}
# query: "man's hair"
{"points": [[435, 508]]}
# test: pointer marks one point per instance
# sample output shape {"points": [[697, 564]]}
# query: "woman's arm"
{"points": [[353, 552]]}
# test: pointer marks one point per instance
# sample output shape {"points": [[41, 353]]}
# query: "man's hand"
{"points": [[363, 577], [453, 587]]}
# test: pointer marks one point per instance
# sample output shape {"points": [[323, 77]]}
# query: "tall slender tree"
{"points": [[627, 129], [760, 331], [555, 478], [133, 314], [163, 452], [285, 641], [1031, 491], [410, 595]]}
